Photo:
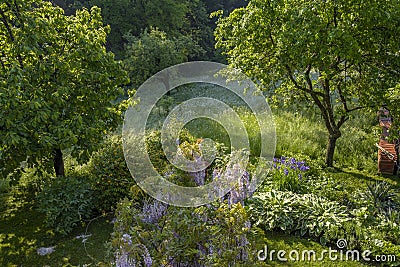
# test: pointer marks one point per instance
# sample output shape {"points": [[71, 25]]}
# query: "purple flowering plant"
{"points": [[288, 173]]}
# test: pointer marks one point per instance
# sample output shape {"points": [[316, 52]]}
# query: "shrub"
{"points": [[4, 185], [66, 202], [109, 175], [295, 213], [30, 183], [160, 235], [381, 198]]}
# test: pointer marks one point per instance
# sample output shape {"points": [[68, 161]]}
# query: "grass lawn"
{"points": [[22, 233]]}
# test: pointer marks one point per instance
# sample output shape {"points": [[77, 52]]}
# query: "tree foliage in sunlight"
{"points": [[339, 55], [57, 83]]}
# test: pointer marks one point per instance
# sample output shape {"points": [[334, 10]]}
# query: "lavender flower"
{"points": [[286, 172]]}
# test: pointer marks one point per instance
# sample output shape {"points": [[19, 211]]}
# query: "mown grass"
{"points": [[23, 232]]}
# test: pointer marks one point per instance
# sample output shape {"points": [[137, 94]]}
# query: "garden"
{"points": [[328, 196]]}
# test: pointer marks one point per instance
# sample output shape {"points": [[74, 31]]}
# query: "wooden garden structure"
{"points": [[387, 151]]}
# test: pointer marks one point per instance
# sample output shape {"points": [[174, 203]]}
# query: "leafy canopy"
{"points": [[153, 51], [341, 55], [57, 82], [125, 16]]}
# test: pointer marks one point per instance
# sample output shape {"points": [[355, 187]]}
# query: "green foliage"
{"points": [[214, 235], [108, 174], [4, 185], [330, 53], [125, 16], [393, 98], [153, 51], [66, 202], [29, 183], [325, 186], [381, 198], [303, 214], [56, 83]]}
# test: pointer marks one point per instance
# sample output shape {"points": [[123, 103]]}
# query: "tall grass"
{"points": [[304, 132], [300, 130]]}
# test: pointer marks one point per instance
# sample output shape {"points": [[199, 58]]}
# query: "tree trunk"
{"points": [[58, 162], [330, 151]]}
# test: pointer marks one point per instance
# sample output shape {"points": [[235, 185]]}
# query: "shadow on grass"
{"points": [[23, 232], [392, 179]]}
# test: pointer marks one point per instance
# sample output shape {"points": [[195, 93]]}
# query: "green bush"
{"points": [[30, 183], [4, 185], [109, 175], [159, 235], [66, 202], [295, 213]]}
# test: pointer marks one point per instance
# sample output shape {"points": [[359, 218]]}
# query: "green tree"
{"points": [[57, 83], [341, 55], [125, 16], [153, 51], [393, 103]]}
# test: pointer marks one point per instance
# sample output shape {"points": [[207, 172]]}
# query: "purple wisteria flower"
{"points": [[123, 260], [146, 257], [127, 239], [243, 189], [152, 212]]}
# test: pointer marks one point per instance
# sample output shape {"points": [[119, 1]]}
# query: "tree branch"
{"points": [[327, 100], [342, 98], [293, 80], [342, 120]]}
